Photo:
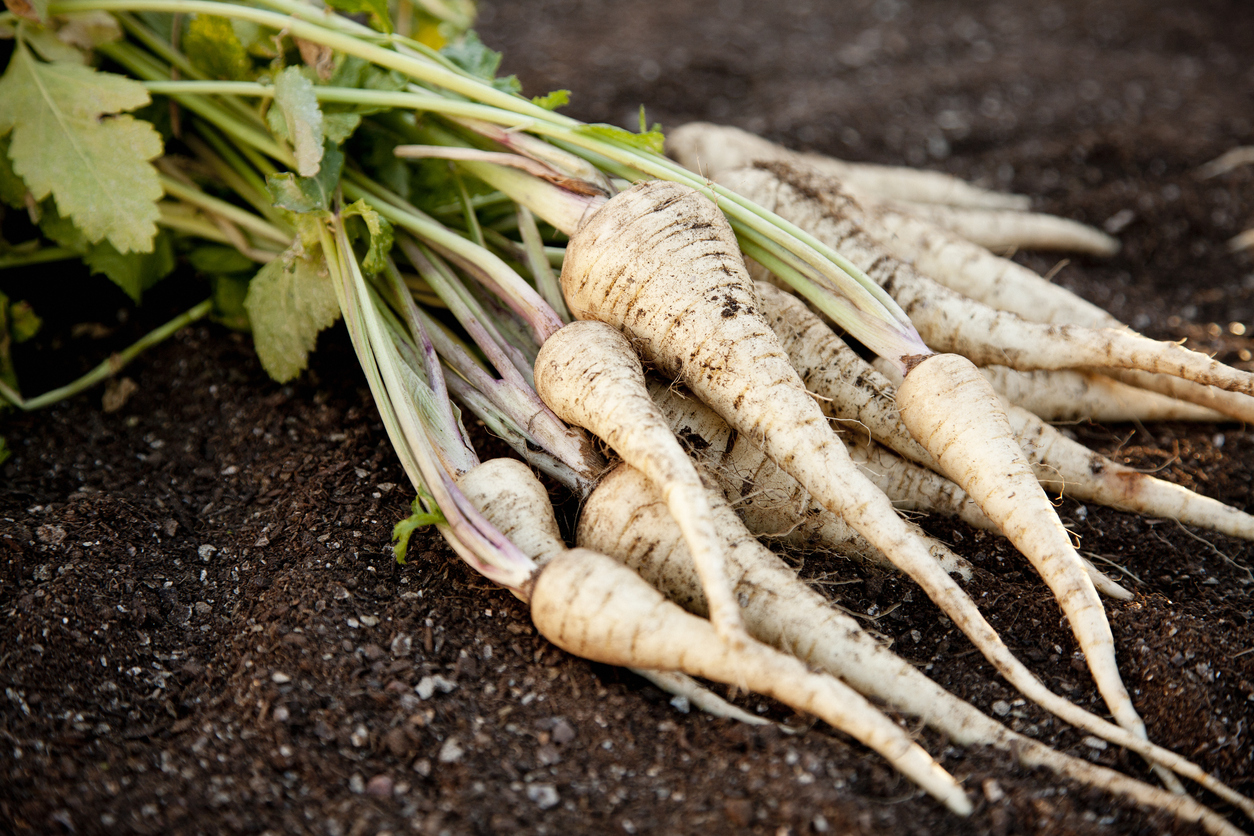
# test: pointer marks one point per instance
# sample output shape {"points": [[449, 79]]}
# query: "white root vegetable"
{"points": [[949, 322], [1068, 467], [589, 375], [625, 519], [1070, 395], [660, 262], [1022, 512], [595, 607], [913, 487], [999, 229], [976, 273], [854, 393], [712, 149], [514, 501], [939, 253], [990, 466], [960, 265], [1234, 405], [772, 503]]}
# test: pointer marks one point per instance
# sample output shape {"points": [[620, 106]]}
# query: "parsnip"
{"points": [[660, 262], [593, 606], [712, 149], [1017, 505], [1068, 467], [1001, 230], [949, 322], [771, 503], [588, 374], [1067, 395], [625, 519]]}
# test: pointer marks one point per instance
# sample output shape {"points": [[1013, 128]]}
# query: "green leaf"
{"points": [[337, 127], [133, 272], [377, 9], [5, 452], [308, 194], [653, 140], [229, 293], [50, 47], [297, 118], [472, 56], [96, 168], [420, 518], [214, 47], [12, 189], [379, 230], [289, 302], [24, 323], [213, 260], [552, 101]]}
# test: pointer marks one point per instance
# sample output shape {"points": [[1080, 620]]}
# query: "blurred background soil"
{"points": [[203, 630]]}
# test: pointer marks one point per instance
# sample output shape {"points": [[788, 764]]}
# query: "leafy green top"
{"points": [[69, 141]]}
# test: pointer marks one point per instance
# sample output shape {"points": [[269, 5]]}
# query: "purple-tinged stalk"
{"points": [[410, 429]]}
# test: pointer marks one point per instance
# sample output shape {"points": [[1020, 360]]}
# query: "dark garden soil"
{"points": [[201, 629]]}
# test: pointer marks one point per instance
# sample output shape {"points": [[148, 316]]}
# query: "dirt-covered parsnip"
{"points": [[1068, 467], [597, 608], [1071, 395], [589, 375], [952, 408], [625, 518], [710, 149], [976, 447], [660, 262], [513, 500], [949, 322], [1000, 230], [771, 503]]}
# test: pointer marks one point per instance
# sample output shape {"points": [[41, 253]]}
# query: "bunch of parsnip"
{"points": [[317, 167]]}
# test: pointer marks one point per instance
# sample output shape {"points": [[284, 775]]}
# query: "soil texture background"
{"points": [[202, 628]]}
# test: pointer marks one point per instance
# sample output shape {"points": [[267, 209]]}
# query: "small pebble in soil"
{"points": [[402, 645], [397, 742], [428, 685], [451, 751], [544, 795], [993, 791], [563, 731], [360, 737], [357, 784], [380, 786], [1001, 708], [280, 677], [1095, 743]]}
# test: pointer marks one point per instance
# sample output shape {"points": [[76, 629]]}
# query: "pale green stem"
{"points": [[43, 255], [520, 296], [235, 171], [228, 211], [176, 59], [110, 367], [141, 65], [748, 218], [477, 542], [537, 260]]}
